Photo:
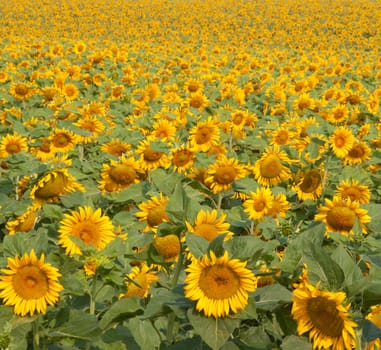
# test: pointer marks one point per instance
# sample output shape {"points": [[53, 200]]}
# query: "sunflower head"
{"points": [[168, 246]]}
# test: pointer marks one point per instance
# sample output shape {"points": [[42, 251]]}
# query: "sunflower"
{"points": [[340, 215], [169, 247], [91, 125], [309, 185], [279, 206], [182, 159], [70, 91], [338, 114], [193, 85], [164, 130], [153, 211], [3, 77], [304, 101], [21, 91], [119, 174], [342, 141], [53, 185], [324, 316], [222, 174], [209, 224], [219, 285], [149, 159], [62, 140], [358, 153], [198, 100], [30, 284], [204, 135], [269, 170], [354, 191], [138, 282], [91, 227], [25, 222], [375, 317], [115, 147], [12, 144], [259, 203]]}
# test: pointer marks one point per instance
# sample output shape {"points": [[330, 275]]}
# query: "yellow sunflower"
{"points": [[153, 212], [324, 316], [12, 144], [354, 191], [25, 222], [115, 147], [269, 170], [21, 91], [138, 282], [119, 174], [340, 215], [342, 141], [164, 130], [30, 284], [279, 206], [358, 153], [375, 317], [70, 91], [169, 247], [198, 100], [62, 140], [309, 185], [91, 227], [221, 174], [209, 224], [53, 185], [92, 125], [150, 159], [259, 203], [204, 135], [182, 159], [219, 285]]}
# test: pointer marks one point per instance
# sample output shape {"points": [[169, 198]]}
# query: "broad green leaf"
{"points": [[144, 333], [256, 338], [175, 207], [369, 331], [216, 245], [272, 296], [293, 342], [134, 193], [22, 242], [214, 332], [197, 245], [164, 181], [74, 199]]}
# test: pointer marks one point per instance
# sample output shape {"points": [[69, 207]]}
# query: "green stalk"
{"points": [[36, 333]]}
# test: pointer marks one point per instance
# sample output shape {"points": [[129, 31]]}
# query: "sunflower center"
{"points": [[168, 246], [324, 315], [203, 135], [357, 151], [339, 141], [311, 181], [208, 231], [282, 137], [13, 148], [181, 158], [353, 193], [259, 205], [53, 187], [87, 231], [151, 156], [237, 119], [225, 175], [156, 216], [271, 166], [123, 174], [30, 282], [219, 282], [89, 126], [45, 148], [21, 90], [61, 140], [196, 102], [341, 218]]}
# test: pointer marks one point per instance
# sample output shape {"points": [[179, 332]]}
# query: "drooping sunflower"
{"points": [[138, 281], [25, 222], [340, 215], [219, 285], [12, 144], [87, 224], [169, 247], [53, 185], [30, 284], [204, 135], [119, 174], [153, 212], [309, 185], [149, 159], [222, 174], [358, 153], [259, 203], [354, 191], [269, 170], [342, 141], [209, 224], [324, 316], [375, 317]]}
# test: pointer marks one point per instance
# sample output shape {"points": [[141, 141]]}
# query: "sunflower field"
{"points": [[189, 174]]}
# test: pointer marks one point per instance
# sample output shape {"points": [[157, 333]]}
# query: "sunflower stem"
{"points": [[81, 152], [36, 334], [219, 201], [252, 228]]}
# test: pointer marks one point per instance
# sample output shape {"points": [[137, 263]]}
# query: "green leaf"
{"points": [[133, 193], [216, 245], [214, 332], [165, 182], [74, 199], [144, 333], [256, 338], [52, 211], [293, 342], [197, 245], [121, 310], [175, 207], [369, 331], [272, 296], [21, 243]]}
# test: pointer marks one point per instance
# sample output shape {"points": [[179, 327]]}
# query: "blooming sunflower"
{"points": [[279, 206], [219, 285], [115, 147], [150, 159], [375, 317], [340, 215], [91, 227], [358, 153], [259, 203], [324, 315], [53, 185], [182, 159], [269, 170], [92, 125], [30, 284], [221, 174], [119, 174], [342, 141], [204, 135], [12, 144], [153, 211], [70, 91], [354, 191], [164, 130], [62, 140], [310, 185], [25, 222], [21, 91], [138, 281], [198, 100], [209, 224]]}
